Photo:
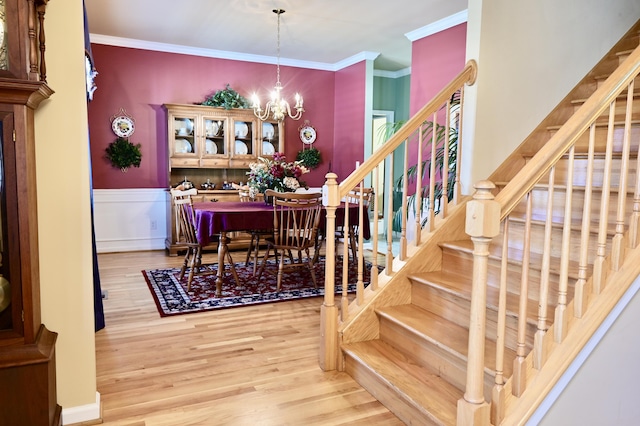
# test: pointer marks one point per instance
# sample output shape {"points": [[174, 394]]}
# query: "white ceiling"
{"points": [[314, 33]]}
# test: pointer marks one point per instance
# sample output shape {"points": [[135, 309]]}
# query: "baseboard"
{"points": [[130, 219], [83, 414], [120, 245]]}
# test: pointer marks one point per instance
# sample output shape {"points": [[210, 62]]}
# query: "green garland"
{"points": [[310, 158], [226, 98], [123, 154]]}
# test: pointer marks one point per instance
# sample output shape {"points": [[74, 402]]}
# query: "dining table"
{"points": [[219, 218]]}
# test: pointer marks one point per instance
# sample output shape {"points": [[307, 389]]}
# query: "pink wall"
{"points": [[348, 145], [140, 81], [435, 60]]}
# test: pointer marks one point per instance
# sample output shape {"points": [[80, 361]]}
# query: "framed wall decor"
{"points": [[122, 124], [307, 133]]}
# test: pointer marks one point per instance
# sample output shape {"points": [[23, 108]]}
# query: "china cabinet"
{"points": [[27, 347], [216, 145], [206, 137]]}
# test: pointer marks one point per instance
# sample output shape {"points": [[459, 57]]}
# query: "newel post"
{"points": [[482, 224], [328, 356]]}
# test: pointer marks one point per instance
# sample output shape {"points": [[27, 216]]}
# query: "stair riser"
{"points": [[620, 108], [388, 396], [458, 310], [424, 352], [516, 239], [540, 202], [600, 145], [463, 261], [580, 172], [600, 81]]}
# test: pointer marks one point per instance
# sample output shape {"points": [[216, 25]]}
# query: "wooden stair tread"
{"points": [[418, 384], [598, 123], [581, 155], [452, 283], [444, 334], [561, 187], [556, 222], [622, 96], [515, 255]]}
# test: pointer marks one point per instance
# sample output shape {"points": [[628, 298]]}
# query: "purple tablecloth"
{"points": [[214, 218]]}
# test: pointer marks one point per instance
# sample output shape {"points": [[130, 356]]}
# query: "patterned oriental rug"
{"points": [[171, 295]]}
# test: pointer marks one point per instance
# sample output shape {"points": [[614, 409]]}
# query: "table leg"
{"points": [[222, 248]]}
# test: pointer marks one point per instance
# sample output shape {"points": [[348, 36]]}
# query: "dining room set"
{"points": [[289, 228]]}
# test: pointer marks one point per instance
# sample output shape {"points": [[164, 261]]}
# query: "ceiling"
{"points": [[313, 33]]}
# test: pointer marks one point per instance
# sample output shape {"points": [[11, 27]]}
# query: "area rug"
{"points": [[172, 298]]}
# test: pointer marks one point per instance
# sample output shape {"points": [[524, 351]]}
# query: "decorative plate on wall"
{"points": [[123, 126], [307, 133]]}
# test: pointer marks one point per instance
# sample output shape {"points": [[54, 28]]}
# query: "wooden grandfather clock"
{"points": [[27, 348]]}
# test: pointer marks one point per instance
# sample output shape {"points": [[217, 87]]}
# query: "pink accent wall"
{"points": [[435, 60], [348, 145], [140, 81]]}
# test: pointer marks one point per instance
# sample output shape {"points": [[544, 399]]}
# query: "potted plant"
{"points": [[124, 154], [310, 158], [412, 172], [226, 98]]}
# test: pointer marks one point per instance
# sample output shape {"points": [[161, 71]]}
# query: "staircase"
{"points": [[568, 207]]}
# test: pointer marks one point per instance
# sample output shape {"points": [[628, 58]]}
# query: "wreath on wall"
{"points": [[124, 154], [310, 158]]}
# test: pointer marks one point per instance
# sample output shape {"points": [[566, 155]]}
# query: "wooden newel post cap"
{"points": [[330, 192], [483, 212]]}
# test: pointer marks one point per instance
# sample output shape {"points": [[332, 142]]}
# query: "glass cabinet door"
{"points": [[184, 138], [270, 138], [215, 130], [243, 138]]}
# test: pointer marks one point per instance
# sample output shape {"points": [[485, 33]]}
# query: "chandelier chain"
{"points": [[278, 12], [277, 108]]}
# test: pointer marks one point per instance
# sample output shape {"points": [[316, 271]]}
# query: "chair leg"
{"points": [[233, 269], [194, 259], [255, 254], [250, 250], [352, 242], [264, 262], [184, 265], [280, 271], [310, 263]]}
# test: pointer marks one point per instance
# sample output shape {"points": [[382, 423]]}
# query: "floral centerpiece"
{"points": [[276, 174]]}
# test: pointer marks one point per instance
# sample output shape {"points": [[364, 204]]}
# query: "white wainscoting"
{"points": [[130, 219]]}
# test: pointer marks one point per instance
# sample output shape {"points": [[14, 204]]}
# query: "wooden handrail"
{"points": [[608, 260], [332, 315], [466, 76], [568, 134]]}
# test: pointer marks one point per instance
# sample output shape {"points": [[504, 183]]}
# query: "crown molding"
{"points": [[209, 53], [362, 56], [392, 74], [436, 27]]}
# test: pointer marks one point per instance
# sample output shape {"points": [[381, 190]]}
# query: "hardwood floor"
{"points": [[240, 366]]}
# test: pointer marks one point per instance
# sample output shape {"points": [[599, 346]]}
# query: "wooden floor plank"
{"points": [[239, 366]]}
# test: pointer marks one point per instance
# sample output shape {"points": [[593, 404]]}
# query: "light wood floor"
{"points": [[240, 366]]}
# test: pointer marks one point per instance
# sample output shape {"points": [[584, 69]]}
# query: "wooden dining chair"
{"points": [[186, 235], [350, 236], [296, 217], [256, 234]]}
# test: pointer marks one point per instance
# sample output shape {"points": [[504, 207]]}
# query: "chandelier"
{"points": [[278, 108]]}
